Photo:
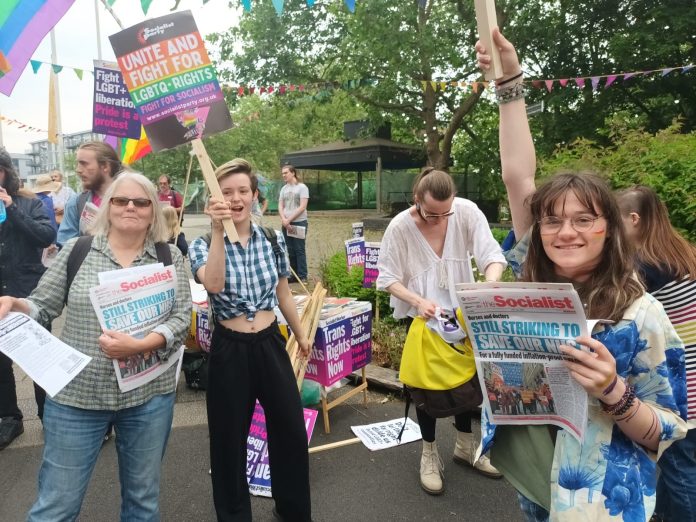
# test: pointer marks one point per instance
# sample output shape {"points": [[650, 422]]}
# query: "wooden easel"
{"points": [[326, 405]]}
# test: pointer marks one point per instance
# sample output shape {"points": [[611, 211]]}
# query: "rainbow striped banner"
{"points": [[23, 24]]}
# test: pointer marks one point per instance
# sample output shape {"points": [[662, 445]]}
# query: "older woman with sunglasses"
{"points": [[125, 235], [425, 253]]}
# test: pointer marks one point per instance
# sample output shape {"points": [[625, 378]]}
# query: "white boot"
{"points": [[464, 451], [431, 469]]}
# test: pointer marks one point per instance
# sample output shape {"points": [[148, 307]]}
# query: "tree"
{"points": [[396, 48]]}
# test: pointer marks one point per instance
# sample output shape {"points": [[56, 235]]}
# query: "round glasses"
{"points": [[137, 202], [581, 223]]}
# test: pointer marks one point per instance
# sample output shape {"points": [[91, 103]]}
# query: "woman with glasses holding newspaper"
{"points": [[633, 371], [424, 254], [125, 235]]}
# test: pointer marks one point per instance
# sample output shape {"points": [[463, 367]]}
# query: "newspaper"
{"points": [[296, 231], [516, 330], [134, 301], [383, 435], [47, 360], [88, 216]]}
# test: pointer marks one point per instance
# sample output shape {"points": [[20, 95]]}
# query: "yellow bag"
{"points": [[430, 363]]}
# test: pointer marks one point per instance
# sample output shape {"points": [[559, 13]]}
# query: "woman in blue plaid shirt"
{"points": [[248, 360]]}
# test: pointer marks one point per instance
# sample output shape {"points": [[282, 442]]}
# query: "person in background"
{"points": [[424, 254], [168, 195], [667, 267], [259, 208], [26, 231], [125, 232], [292, 208], [176, 236], [60, 197], [97, 166], [248, 360], [570, 230], [43, 189]]}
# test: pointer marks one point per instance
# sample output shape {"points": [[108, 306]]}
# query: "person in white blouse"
{"points": [[425, 252]]}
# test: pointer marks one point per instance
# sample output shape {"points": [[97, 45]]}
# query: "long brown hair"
{"points": [[659, 244], [612, 287]]}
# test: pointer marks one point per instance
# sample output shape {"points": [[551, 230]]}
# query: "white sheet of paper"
{"points": [[297, 231], [47, 360], [382, 435]]}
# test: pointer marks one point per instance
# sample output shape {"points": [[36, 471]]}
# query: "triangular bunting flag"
{"points": [[595, 82], [687, 68], [537, 83], [463, 84], [424, 85], [422, 3], [485, 84], [270, 89], [610, 79], [145, 4], [310, 3], [247, 5], [549, 85], [301, 87], [628, 75], [78, 73], [278, 5], [475, 86], [56, 68], [35, 65], [433, 85], [351, 5], [580, 82], [454, 84], [251, 90], [443, 85], [292, 87], [281, 89], [240, 91], [563, 82], [665, 72], [262, 90]]}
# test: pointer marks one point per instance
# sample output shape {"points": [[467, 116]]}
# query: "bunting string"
{"points": [[23, 126]]}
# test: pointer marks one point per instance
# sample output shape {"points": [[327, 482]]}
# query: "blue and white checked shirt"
{"points": [[251, 274]]}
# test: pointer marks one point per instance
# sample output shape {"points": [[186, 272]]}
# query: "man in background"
{"points": [[97, 166], [60, 197], [167, 195]]}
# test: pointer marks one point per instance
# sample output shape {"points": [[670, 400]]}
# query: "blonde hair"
{"points": [[237, 166], [171, 220], [157, 231]]}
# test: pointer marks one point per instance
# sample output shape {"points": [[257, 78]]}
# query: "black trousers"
{"points": [[426, 423], [8, 392], [243, 367]]}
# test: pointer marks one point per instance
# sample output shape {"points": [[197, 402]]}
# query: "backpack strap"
{"points": [[273, 238], [164, 255], [75, 258]]}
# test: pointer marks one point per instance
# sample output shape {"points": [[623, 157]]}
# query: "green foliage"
{"points": [[665, 161], [341, 283], [388, 344]]}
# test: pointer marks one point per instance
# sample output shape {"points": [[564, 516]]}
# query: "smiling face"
{"points": [[574, 254], [130, 219], [236, 188]]}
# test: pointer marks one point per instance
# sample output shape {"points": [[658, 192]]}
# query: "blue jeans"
{"points": [[297, 254], [532, 511], [676, 487], [72, 440]]}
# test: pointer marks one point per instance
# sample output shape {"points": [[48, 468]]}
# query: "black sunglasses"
{"points": [[137, 202]]}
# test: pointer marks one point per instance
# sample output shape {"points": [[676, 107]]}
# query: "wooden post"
{"points": [[486, 20], [378, 183], [213, 185]]}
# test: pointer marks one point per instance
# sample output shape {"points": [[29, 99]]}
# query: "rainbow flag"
{"points": [[23, 24], [133, 150]]}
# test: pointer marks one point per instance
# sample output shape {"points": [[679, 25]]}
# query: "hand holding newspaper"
{"points": [[516, 330], [296, 231], [134, 301]]}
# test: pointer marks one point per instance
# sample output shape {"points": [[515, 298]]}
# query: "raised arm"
{"points": [[517, 155]]}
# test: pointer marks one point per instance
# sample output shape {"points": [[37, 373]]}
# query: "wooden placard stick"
{"points": [[486, 20], [213, 185]]}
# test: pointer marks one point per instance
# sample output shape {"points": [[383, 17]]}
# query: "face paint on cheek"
{"points": [[599, 234]]}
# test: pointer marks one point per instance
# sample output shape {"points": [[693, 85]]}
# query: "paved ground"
{"points": [[347, 483]]}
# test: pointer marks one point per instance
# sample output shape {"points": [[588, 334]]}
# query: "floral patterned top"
{"points": [[608, 476]]}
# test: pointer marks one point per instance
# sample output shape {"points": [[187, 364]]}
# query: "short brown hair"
{"points": [[237, 166], [438, 183]]}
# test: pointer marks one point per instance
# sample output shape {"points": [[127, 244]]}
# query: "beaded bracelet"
{"points": [[624, 404], [510, 94]]}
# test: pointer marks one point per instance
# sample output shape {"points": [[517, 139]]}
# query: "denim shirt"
{"points": [[608, 476]]}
